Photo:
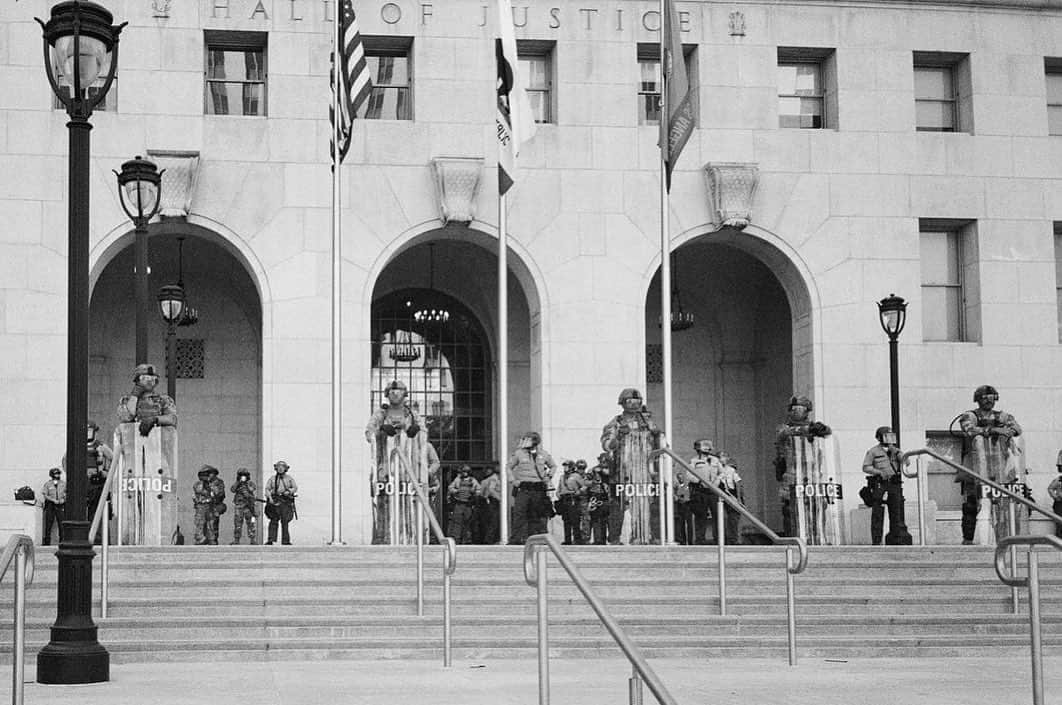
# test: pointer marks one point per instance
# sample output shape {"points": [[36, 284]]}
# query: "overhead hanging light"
{"points": [[431, 315], [680, 318]]}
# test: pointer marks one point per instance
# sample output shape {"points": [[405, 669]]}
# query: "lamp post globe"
{"points": [[892, 314], [139, 191], [80, 47], [173, 310]]}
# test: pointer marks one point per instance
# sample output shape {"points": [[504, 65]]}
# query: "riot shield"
{"points": [[146, 484], [815, 495], [638, 488], [1001, 460], [394, 517]]}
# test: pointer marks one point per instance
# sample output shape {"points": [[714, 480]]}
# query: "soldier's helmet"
{"points": [[580, 464], [144, 369], [243, 472], [396, 384], [801, 401], [882, 430], [628, 393], [1058, 461], [533, 435], [204, 474], [983, 391], [280, 464], [703, 445]]}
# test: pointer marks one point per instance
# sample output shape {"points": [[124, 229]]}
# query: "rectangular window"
{"points": [[650, 82], [804, 75], [943, 94], [391, 71], [950, 286], [235, 73], [941, 485], [1053, 76], [536, 70], [1058, 276]]}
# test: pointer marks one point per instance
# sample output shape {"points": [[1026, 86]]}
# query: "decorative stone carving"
{"points": [[457, 180], [161, 8], [732, 186], [180, 172], [737, 23]]}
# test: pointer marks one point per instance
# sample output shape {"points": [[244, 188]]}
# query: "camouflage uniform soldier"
{"points": [[203, 501], [461, 493], [244, 493], [1054, 490], [217, 489]]}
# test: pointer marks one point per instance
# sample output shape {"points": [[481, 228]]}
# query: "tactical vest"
{"points": [[149, 406], [464, 490], [92, 455]]}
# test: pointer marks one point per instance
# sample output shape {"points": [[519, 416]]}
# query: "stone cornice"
{"points": [[925, 5]]}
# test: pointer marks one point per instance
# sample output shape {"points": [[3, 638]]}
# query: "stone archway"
{"points": [[219, 383], [750, 348]]}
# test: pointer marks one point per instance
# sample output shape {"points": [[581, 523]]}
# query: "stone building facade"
{"points": [[908, 148]]}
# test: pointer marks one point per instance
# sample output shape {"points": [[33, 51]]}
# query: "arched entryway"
{"points": [[748, 350], [450, 366], [219, 360]]}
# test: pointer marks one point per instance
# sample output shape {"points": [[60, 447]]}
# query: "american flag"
{"points": [[355, 85]]}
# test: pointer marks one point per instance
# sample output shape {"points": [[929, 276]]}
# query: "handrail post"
{"points": [[1034, 624], [790, 606], [543, 627], [105, 559], [720, 539], [447, 651], [921, 494], [419, 508], [635, 687], [18, 672], [1012, 525]]}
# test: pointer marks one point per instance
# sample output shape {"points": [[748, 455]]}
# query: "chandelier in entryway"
{"points": [[680, 319]]}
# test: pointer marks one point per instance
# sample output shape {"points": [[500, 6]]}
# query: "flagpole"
{"points": [[503, 365], [667, 524], [337, 294]]}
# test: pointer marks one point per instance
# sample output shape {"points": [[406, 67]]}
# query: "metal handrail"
{"points": [[984, 481], [97, 522], [1032, 581], [535, 575], [788, 541], [449, 552], [20, 549]]}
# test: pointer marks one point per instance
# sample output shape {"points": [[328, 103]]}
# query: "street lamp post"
{"points": [[172, 308], [892, 313], [80, 45], [139, 190]]}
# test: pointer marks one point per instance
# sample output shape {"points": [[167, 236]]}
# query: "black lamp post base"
{"points": [[74, 654], [74, 662]]}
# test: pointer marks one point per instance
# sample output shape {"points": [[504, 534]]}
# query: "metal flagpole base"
{"points": [[74, 654]]}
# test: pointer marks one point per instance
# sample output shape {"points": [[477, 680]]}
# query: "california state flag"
{"points": [[515, 123]]}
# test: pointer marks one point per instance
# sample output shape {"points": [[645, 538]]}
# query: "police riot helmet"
{"points": [[243, 472], [580, 464], [983, 391], [55, 473], [801, 401], [880, 433]]}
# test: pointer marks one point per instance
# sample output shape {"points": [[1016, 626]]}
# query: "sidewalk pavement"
{"points": [[816, 681]]}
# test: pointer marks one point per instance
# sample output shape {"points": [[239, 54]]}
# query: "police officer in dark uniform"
{"points": [[98, 458], [598, 504]]}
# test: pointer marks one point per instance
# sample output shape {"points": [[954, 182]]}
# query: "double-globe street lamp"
{"points": [[140, 190], [80, 46]]}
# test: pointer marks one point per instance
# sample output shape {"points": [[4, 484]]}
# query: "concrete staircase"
{"points": [[198, 603]]}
